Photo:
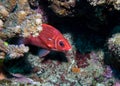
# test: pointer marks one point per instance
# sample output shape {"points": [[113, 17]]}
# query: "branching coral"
{"points": [[14, 51], [17, 19], [23, 22], [11, 51]]}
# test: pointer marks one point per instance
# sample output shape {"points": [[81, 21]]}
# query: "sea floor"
{"points": [[75, 70]]}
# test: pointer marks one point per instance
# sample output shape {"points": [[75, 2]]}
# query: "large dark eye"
{"points": [[61, 44]]}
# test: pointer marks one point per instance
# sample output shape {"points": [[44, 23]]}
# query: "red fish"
{"points": [[50, 39]]}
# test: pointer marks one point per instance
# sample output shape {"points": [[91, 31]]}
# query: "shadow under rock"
{"points": [[113, 61], [20, 65], [53, 55], [57, 56]]}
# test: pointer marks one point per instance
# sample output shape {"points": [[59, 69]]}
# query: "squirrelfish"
{"points": [[49, 39]]}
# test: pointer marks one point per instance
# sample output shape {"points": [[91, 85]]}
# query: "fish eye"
{"points": [[61, 44]]}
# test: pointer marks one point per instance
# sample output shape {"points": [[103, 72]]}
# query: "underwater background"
{"points": [[59, 42]]}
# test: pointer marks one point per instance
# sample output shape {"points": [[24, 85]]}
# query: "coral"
{"points": [[29, 25], [2, 46], [114, 44], [22, 22], [2, 55], [34, 3], [62, 8], [96, 2], [108, 72], [113, 56], [3, 12], [13, 51], [97, 69], [117, 83], [9, 33], [9, 4], [23, 5], [17, 18], [9, 83], [32, 25], [6, 6], [16, 51], [115, 3]]}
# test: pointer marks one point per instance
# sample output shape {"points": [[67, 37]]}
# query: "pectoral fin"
{"points": [[43, 52]]}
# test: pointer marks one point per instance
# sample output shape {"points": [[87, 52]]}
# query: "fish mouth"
{"points": [[69, 47], [66, 51]]}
